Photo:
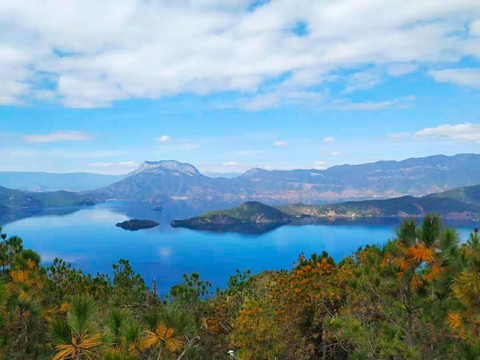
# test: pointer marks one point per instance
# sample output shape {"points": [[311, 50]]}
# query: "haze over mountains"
{"points": [[161, 181], [43, 181], [164, 180], [227, 175]]}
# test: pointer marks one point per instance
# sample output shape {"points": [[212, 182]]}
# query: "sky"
{"points": [[227, 85]]}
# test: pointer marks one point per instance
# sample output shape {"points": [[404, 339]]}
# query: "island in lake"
{"points": [[134, 225], [249, 217], [456, 204]]}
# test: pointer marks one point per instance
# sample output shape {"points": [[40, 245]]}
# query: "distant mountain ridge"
{"points": [[457, 204], [156, 181], [166, 180], [383, 179], [43, 181]]}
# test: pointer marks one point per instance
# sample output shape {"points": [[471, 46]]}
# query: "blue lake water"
{"points": [[89, 239]]}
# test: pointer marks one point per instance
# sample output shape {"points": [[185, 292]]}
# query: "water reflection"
{"points": [[8, 216], [88, 238]]}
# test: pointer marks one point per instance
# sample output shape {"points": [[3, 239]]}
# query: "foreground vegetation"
{"points": [[418, 297]]}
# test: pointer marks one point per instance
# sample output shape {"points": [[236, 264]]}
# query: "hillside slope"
{"points": [[157, 181], [459, 204], [382, 179], [239, 219], [15, 199], [160, 181]]}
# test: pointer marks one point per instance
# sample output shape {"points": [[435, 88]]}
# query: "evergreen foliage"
{"points": [[417, 297]]}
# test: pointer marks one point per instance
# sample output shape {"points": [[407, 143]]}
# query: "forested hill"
{"points": [[15, 199], [459, 204], [264, 218]]}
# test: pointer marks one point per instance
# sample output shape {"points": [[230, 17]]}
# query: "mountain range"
{"points": [[162, 181], [157, 181], [457, 204]]}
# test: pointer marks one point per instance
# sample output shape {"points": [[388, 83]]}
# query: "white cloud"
{"points": [[121, 167], [328, 139], [362, 80], [320, 165], [280, 144], [14, 74], [280, 96], [44, 95], [164, 138], [336, 154], [86, 90], [369, 105], [464, 76], [56, 136], [317, 100], [475, 28], [401, 69], [379, 105], [152, 49], [461, 132], [261, 102], [123, 164], [230, 163], [225, 167]]}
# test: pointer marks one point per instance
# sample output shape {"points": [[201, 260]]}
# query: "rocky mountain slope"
{"points": [[161, 181], [383, 179], [166, 180]]}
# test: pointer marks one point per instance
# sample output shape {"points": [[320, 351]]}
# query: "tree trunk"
{"points": [[324, 343]]}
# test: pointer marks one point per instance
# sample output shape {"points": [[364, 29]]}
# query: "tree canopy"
{"points": [[416, 297]]}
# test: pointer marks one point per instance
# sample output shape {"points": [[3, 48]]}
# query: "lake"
{"points": [[88, 238]]}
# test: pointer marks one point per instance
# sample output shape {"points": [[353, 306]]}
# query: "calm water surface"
{"points": [[89, 239]]}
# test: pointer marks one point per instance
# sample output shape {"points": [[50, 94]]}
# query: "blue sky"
{"points": [[232, 85]]}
